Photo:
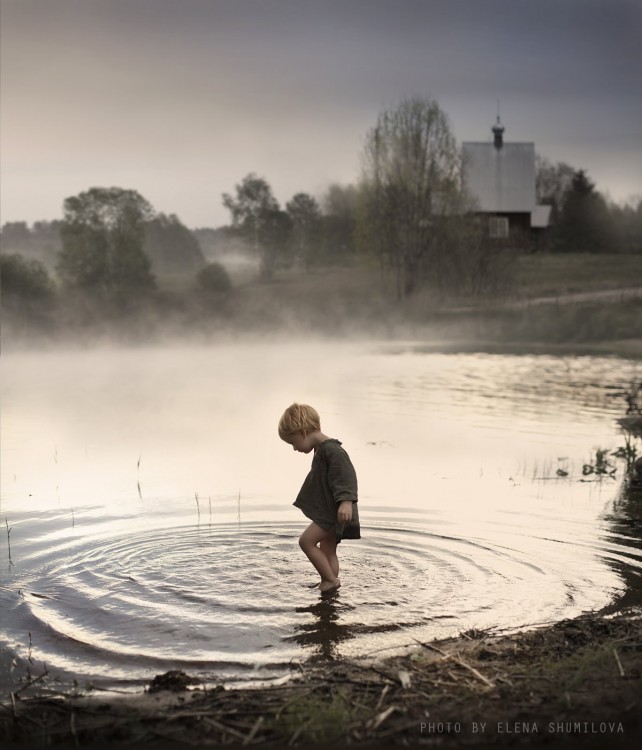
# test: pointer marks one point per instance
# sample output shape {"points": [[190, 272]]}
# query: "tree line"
{"points": [[409, 209]]}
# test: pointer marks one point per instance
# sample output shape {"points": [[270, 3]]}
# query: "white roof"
{"points": [[501, 179]]}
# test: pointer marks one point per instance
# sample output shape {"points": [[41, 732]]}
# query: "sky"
{"points": [[181, 99]]}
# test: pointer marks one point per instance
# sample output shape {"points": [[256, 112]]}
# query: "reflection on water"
{"points": [[149, 504], [624, 530]]}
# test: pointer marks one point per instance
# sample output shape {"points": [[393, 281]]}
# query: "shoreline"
{"points": [[577, 682], [418, 339]]}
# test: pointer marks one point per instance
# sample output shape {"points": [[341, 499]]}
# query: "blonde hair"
{"points": [[299, 418]]}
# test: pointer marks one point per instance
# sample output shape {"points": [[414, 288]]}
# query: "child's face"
{"points": [[300, 442]]}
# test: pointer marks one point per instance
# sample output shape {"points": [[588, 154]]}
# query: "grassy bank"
{"points": [[576, 683]]}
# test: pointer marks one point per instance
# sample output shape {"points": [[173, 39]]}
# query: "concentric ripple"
{"points": [[172, 544], [233, 600]]}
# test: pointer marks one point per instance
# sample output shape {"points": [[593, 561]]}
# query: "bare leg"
{"points": [[329, 549], [308, 541]]}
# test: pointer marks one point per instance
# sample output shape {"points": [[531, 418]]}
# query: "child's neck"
{"points": [[316, 438]]}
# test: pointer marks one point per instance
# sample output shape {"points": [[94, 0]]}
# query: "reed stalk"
{"points": [[8, 538]]}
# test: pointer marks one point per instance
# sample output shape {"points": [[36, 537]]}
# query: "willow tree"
{"points": [[411, 189]]}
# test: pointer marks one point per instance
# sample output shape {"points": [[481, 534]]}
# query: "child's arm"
{"points": [[344, 514], [342, 480]]}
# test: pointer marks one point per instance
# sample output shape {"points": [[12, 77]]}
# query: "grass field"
{"points": [[550, 275], [539, 275]]}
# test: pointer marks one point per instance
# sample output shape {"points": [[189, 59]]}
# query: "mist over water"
{"points": [[150, 503]]}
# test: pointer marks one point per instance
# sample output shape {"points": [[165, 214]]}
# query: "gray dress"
{"points": [[331, 480]]}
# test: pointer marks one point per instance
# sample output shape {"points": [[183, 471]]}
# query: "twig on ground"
{"points": [[473, 671], [619, 663], [378, 720], [382, 696], [223, 727], [253, 731]]}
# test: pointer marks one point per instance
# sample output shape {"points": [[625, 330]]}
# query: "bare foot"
{"points": [[325, 586]]}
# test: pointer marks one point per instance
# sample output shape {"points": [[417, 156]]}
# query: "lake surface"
{"points": [[149, 502]]}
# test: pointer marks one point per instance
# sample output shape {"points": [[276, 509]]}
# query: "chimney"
{"points": [[498, 131]]}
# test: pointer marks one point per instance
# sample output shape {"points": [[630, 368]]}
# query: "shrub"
{"points": [[214, 278]]}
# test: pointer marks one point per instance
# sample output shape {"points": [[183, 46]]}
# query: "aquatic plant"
{"points": [[633, 397], [601, 466], [628, 452]]}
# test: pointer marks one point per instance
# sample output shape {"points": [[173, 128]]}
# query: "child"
{"points": [[328, 496]]}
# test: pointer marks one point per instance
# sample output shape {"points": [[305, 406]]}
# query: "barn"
{"points": [[500, 178]]}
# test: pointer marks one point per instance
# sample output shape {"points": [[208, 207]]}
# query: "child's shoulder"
{"points": [[331, 447]]}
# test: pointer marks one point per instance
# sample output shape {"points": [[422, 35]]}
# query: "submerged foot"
{"points": [[326, 586]]}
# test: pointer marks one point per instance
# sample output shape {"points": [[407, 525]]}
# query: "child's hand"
{"points": [[344, 514]]}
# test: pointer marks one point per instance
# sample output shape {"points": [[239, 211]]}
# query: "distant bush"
{"points": [[24, 280], [214, 278]]}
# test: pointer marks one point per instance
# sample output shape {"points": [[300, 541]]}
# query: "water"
{"points": [[149, 504]]}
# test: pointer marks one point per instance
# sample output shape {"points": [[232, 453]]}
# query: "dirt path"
{"points": [[605, 295]]}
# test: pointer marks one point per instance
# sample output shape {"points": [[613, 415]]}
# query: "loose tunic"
{"points": [[331, 480]]}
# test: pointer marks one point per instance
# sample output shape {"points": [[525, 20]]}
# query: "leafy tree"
{"points": [[257, 217], [339, 223], [28, 296], [24, 280], [584, 223], [15, 236], [102, 243], [275, 240], [305, 218], [171, 246], [411, 185]]}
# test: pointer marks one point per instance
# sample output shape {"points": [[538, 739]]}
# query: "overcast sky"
{"points": [[180, 99]]}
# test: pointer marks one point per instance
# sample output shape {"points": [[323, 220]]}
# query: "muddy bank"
{"points": [[576, 683]]}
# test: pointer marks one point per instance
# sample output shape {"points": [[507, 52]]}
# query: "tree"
{"points": [[171, 246], [102, 243], [339, 224], [41, 243], [24, 281], [15, 236], [305, 218], [584, 224], [256, 216], [627, 219], [552, 183], [411, 185], [28, 295]]}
